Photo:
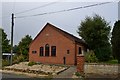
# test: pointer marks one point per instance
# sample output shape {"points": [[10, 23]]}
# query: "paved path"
{"points": [[67, 73]]}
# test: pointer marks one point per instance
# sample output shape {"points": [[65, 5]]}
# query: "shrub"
{"points": [[5, 63], [31, 63], [103, 54], [17, 59], [77, 74], [21, 58], [90, 57]]}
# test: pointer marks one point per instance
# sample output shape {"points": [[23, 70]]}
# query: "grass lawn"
{"points": [[112, 62]]}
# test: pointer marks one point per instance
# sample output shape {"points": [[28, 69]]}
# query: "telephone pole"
{"points": [[12, 25]]}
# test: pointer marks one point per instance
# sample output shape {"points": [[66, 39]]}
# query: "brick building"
{"points": [[55, 46]]}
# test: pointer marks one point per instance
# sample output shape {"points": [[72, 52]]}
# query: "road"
{"points": [[9, 75], [65, 74]]}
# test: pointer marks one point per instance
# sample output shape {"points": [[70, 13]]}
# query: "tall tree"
{"points": [[15, 48], [5, 42], [0, 41], [23, 46], [115, 40], [96, 32]]}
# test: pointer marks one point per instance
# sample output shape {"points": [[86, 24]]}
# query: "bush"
{"points": [[77, 74], [90, 57], [31, 63], [5, 63], [103, 54], [21, 58], [17, 59]]}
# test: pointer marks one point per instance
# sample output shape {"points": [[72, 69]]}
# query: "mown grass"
{"points": [[114, 61]]}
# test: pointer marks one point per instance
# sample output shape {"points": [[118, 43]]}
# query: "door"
{"points": [[64, 60]]}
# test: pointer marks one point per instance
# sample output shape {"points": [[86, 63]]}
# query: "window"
{"points": [[34, 52], [79, 50], [68, 51], [47, 50], [41, 51], [53, 50]]}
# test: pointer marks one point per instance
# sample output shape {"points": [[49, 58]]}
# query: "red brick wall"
{"points": [[53, 38], [80, 63], [77, 50]]}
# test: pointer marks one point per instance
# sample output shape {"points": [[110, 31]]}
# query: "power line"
{"points": [[29, 9], [92, 5], [36, 8]]}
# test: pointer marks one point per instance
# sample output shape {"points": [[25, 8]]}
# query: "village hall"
{"points": [[53, 45]]}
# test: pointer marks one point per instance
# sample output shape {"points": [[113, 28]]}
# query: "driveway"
{"points": [[67, 73]]}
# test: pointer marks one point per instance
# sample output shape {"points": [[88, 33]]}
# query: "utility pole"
{"points": [[12, 25]]}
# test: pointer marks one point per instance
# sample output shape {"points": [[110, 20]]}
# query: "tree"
{"points": [[115, 40], [23, 46], [15, 48], [5, 42], [96, 32]]}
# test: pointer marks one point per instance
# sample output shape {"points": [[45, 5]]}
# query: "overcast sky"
{"points": [[68, 21]]}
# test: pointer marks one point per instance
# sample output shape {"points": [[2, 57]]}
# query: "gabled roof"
{"points": [[66, 34]]}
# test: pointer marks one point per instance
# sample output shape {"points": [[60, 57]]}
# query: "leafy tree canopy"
{"points": [[23, 46], [5, 42], [115, 40], [96, 32]]}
